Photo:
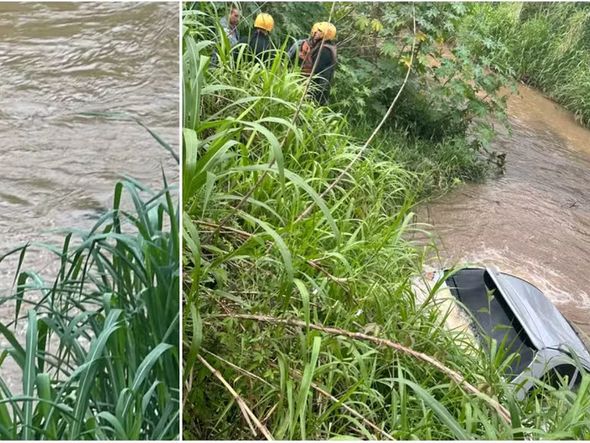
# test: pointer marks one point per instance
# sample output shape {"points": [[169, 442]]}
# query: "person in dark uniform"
{"points": [[259, 41], [318, 60]]}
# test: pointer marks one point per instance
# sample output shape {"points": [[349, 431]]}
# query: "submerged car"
{"points": [[514, 312]]}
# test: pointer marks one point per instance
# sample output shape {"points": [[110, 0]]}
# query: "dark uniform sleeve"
{"points": [[236, 49], [262, 46], [323, 75], [325, 67]]}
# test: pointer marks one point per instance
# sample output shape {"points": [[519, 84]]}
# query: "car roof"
{"points": [[541, 320]]}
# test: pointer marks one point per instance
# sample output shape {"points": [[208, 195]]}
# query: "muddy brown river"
{"points": [[57, 167], [534, 221]]}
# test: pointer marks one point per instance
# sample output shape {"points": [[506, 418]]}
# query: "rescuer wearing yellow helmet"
{"points": [[325, 30], [317, 59], [264, 21], [259, 41]]}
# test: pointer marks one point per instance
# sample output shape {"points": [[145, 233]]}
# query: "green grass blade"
{"points": [[44, 392], [142, 372], [89, 370], [117, 427], [280, 243], [304, 389], [442, 413], [30, 374]]}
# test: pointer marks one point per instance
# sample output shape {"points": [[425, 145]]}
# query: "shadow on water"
{"points": [[534, 221]]}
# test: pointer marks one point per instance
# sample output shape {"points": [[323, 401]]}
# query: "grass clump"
{"points": [[101, 356]]}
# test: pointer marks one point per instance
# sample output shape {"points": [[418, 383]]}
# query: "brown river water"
{"points": [[534, 221], [58, 169]]}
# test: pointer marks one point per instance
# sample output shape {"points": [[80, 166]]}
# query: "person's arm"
{"points": [[243, 39], [325, 66], [265, 48]]}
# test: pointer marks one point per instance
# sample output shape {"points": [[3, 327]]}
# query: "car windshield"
{"points": [[476, 291]]}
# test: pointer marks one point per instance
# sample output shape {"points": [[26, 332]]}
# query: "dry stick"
{"points": [[338, 280], [189, 388], [248, 373], [247, 418], [241, 403], [352, 411], [370, 139], [313, 385], [226, 228], [272, 162], [237, 368], [270, 412], [453, 375]]}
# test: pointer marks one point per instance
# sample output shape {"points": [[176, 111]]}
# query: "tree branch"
{"points": [[453, 375]]}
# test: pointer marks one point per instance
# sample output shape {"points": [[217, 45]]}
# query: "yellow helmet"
{"points": [[326, 29], [315, 28], [264, 21]]}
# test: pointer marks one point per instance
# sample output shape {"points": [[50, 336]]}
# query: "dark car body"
{"points": [[516, 313]]}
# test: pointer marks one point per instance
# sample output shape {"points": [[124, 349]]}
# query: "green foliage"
{"points": [[101, 356], [293, 19], [449, 94], [441, 166], [256, 155], [450, 90], [547, 45]]}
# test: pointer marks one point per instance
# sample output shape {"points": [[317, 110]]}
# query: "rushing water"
{"points": [[58, 168], [534, 221]]}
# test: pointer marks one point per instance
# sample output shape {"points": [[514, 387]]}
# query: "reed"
{"points": [[101, 355]]}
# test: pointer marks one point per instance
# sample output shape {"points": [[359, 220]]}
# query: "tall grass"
{"points": [[545, 45], [310, 329], [101, 356]]}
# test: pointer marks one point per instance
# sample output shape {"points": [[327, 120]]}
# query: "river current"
{"points": [[58, 168], [534, 221]]}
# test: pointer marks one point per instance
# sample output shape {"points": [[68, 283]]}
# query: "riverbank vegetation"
{"points": [[300, 321], [100, 359], [545, 45]]}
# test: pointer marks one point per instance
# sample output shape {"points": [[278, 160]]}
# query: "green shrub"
{"points": [[450, 89], [547, 45]]}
